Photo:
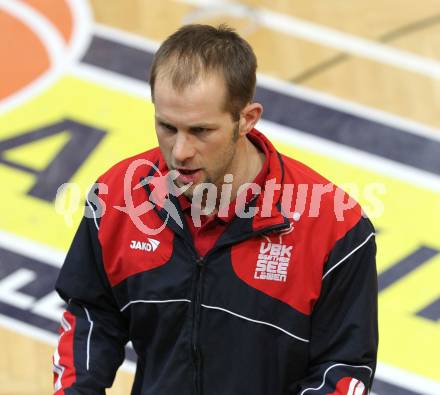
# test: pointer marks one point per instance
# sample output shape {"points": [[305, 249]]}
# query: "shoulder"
{"points": [[296, 171], [318, 198], [121, 181], [327, 214]]}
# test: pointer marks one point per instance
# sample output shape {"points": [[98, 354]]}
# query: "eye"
{"points": [[168, 127], [199, 130]]}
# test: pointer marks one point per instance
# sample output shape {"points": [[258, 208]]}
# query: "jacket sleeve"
{"points": [[344, 337], [93, 332]]}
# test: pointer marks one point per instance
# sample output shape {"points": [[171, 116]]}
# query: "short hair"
{"points": [[196, 50]]}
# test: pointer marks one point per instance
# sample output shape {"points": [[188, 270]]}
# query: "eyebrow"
{"points": [[195, 126]]}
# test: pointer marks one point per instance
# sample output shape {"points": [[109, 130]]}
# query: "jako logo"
{"points": [[151, 245]]}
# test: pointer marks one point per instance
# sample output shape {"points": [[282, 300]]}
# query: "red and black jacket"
{"points": [[283, 304]]}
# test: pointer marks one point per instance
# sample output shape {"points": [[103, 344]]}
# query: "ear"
{"points": [[249, 117]]}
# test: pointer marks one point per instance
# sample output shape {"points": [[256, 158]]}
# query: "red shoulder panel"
{"points": [[289, 266], [133, 237]]}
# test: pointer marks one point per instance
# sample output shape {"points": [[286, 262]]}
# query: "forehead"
{"points": [[203, 98]]}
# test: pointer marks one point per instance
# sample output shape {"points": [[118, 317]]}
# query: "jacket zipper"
{"points": [[200, 264], [196, 323]]}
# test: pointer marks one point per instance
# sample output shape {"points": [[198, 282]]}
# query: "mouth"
{"points": [[187, 176], [187, 171]]}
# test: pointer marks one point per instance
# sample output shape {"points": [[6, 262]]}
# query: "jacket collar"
{"points": [[268, 215]]}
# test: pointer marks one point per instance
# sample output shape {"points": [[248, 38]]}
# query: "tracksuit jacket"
{"points": [[284, 303]]}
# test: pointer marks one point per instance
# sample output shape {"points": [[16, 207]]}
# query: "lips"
{"points": [[187, 176]]}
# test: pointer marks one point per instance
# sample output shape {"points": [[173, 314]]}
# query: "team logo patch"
{"points": [[273, 259], [273, 262]]}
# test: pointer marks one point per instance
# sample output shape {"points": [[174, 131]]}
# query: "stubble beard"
{"points": [[218, 177]]}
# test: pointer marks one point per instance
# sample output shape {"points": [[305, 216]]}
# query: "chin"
{"points": [[191, 192], [188, 193]]}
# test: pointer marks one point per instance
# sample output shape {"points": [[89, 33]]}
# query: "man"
{"points": [[231, 268]]}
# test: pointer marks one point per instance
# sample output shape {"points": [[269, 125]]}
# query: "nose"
{"points": [[183, 148]]}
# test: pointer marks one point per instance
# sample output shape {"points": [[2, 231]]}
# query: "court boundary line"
{"points": [[340, 152], [82, 29], [275, 84], [59, 62], [45, 336], [286, 134], [373, 114], [48, 35], [125, 37], [34, 250], [329, 37], [111, 80], [397, 376]]}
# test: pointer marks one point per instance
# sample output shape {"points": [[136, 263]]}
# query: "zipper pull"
{"points": [[199, 261]]}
